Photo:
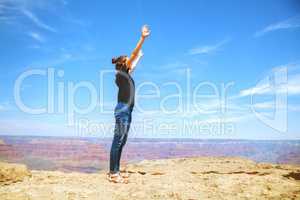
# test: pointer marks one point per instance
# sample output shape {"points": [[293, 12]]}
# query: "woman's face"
{"points": [[126, 59], [122, 62]]}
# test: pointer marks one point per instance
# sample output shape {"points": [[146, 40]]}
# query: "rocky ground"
{"points": [[185, 178]]}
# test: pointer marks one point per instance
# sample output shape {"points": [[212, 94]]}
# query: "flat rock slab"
{"points": [[11, 173], [179, 179]]}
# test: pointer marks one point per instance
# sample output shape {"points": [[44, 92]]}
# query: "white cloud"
{"points": [[265, 105], [4, 106], [32, 4], [7, 20], [12, 10], [37, 21], [290, 23], [271, 105], [261, 89], [207, 49], [4, 9], [36, 36], [292, 86]]}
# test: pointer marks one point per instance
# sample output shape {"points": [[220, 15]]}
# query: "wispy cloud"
{"points": [[36, 36], [290, 23], [5, 12], [207, 49], [6, 20], [271, 106], [261, 89], [5, 106], [12, 10], [292, 87], [37, 21]]}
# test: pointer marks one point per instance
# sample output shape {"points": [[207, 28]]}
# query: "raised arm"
{"points": [[135, 52]]}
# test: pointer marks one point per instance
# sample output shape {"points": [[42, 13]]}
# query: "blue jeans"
{"points": [[123, 120]]}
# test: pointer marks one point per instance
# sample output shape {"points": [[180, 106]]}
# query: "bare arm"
{"points": [[135, 52]]}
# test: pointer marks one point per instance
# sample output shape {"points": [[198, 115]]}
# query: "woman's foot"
{"points": [[124, 174], [117, 178]]}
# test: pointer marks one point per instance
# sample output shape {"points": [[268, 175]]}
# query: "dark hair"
{"points": [[120, 63]]}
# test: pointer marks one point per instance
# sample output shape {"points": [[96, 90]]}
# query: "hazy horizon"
{"points": [[132, 138], [92, 154]]}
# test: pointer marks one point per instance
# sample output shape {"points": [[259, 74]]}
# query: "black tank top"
{"points": [[126, 87]]}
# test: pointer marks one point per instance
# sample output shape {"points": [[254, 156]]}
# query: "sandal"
{"points": [[116, 178], [125, 174]]}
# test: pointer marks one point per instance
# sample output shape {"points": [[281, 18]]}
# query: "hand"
{"points": [[145, 31]]}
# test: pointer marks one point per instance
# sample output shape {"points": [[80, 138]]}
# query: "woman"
{"points": [[124, 67]]}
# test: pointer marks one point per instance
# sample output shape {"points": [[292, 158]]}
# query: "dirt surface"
{"points": [[185, 178]]}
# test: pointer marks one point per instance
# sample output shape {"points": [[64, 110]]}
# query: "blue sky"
{"points": [[240, 44]]}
